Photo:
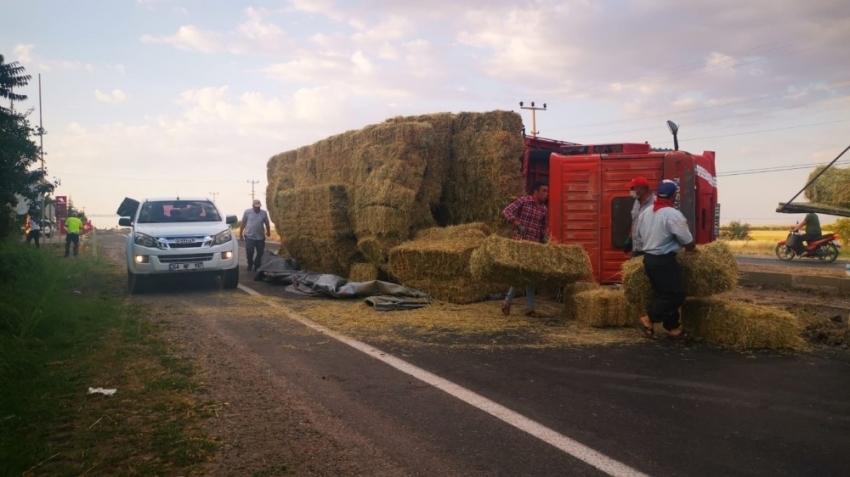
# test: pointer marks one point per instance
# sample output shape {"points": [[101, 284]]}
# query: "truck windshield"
{"points": [[174, 211]]}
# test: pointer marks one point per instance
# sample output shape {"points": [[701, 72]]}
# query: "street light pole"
{"points": [[41, 147], [534, 109]]}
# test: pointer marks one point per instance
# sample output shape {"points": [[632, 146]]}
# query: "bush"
{"points": [[736, 231], [842, 228]]}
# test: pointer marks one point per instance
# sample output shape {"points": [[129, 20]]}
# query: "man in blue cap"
{"points": [[663, 231]]}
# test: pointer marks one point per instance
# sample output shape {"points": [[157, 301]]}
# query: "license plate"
{"points": [[181, 267]]}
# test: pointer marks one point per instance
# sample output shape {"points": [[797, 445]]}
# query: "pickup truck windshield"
{"points": [[176, 211]]}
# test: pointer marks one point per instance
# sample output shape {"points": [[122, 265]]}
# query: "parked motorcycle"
{"points": [[824, 248]]}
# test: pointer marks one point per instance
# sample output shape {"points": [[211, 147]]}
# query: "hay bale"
{"points": [[376, 249], [457, 291], [831, 188], [604, 307], [486, 168], [333, 256], [710, 271], [741, 325], [363, 272], [503, 260], [438, 253]]}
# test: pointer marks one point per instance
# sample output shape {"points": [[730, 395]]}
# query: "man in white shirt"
{"points": [[251, 231], [34, 233], [663, 232]]}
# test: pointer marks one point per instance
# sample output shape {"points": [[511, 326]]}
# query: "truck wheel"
{"points": [[135, 282], [230, 278]]}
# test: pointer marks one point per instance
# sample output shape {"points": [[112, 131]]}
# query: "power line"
{"points": [[777, 169]]}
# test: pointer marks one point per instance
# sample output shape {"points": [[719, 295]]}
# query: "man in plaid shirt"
{"points": [[529, 215]]}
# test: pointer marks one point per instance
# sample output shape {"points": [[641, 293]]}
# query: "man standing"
{"points": [[813, 232], [73, 225], [644, 198], [663, 232], [34, 233], [251, 231], [529, 216]]}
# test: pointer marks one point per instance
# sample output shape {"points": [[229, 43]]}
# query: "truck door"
{"points": [[679, 165], [574, 203]]}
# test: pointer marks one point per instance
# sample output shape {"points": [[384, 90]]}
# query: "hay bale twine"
{"points": [[521, 263], [712, 270], [363, 272], [741, 325]]}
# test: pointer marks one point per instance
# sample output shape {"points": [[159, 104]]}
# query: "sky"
{"points": [[148, 98]]}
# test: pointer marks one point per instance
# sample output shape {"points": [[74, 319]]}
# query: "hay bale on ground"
{"points": [[440, 253], [363, 272], [741, 325], [503, 260], [831, 188], [603, 307], [710, 271], [376, 249], [458, 291]]}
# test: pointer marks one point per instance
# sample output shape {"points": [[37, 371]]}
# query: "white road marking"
{"points": [[572, 447]]}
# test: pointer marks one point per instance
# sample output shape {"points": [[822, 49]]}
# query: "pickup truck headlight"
{"points": [[144, 240], [222, 237]]}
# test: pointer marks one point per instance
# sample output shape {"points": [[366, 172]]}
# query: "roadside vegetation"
{"points": [[65, 326], [744, 239]]}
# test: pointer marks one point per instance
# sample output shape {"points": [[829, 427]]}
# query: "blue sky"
{"points": [[146, 98]]}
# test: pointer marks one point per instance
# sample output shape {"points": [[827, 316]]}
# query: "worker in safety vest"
{"points": [[73, 226]]}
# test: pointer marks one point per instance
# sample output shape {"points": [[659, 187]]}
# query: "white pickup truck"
{"points": [[171, 236]]}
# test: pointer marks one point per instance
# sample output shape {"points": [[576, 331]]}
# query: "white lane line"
{"points": [[574, 448]]}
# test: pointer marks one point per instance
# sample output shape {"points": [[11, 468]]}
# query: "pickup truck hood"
{"points": [[181, 229]]}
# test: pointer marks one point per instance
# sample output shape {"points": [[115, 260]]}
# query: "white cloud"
{"points": [[23, 53], [254, 28], [188, 37], [116, 96]]}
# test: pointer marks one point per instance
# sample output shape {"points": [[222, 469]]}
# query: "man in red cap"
{"points": [[644, 198]]}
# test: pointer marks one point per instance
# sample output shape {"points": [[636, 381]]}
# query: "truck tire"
{"points": [[135, 282], [230, 278]]}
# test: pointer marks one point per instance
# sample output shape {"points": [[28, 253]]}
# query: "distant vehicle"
{"points": [[824, 248], [171, 236], [46, 229]]}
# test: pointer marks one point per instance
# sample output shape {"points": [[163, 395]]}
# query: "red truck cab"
{"points": [[589, 201]]}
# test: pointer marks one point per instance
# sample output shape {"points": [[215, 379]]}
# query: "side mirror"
{"points": [[125, 222], [231, 219]]}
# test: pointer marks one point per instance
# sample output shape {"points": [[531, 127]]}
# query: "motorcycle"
{"points": [[825, 248]]}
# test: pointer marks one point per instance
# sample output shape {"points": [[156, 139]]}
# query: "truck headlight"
{"points": [[222, 237], [144, 240]]}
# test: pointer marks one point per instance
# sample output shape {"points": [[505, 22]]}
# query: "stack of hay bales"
{"points": [[524, 263], [396, 177], [712, 270], [363, 272], [437, 262], [741, 325], [832, 188]]}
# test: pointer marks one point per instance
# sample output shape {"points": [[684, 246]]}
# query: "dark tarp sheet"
{"points": [[383, 296]]}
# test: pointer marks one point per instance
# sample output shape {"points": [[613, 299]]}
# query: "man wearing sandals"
{"points": [[663, 231], [529, 215]]}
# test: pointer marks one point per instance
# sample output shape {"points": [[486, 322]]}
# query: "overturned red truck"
{"points": [[589, 201]]}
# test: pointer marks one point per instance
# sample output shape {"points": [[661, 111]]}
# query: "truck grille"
{"points": [[189, 257], [186, 242]]}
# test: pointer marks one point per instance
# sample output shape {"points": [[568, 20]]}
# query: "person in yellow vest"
{"points": [[73, 226]]}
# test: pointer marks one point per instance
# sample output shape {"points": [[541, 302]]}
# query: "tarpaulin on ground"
{"points": [[383, 296]]}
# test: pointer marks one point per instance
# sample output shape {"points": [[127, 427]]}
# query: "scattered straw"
{"points": [[503, 260], [713, 269], [741, 325]]}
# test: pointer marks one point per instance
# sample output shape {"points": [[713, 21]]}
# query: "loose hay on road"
{"points": [[741, 325], [711, 270], [518, 263]]}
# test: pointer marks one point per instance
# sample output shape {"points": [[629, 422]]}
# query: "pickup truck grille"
{"points": [[189, 257], [186, 242]]}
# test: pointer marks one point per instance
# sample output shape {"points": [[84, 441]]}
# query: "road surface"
{"points": [[651, 409]]}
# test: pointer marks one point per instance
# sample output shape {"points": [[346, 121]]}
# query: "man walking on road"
{"points": [[663, 231], [529, 215], [251, 231], [73, 226]]}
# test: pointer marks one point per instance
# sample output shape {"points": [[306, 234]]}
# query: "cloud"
{"points": [[188, 38], [116, 96], [23, 53]]}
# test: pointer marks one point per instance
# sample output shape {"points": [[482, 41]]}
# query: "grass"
{"points": [[64, 327]]}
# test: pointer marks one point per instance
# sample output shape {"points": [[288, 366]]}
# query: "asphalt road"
{"points": [[797, 262], [656, 408]]}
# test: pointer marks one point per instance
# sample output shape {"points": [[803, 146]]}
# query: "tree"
{"points": [[18, 152], [738, 231], [12, 76]]}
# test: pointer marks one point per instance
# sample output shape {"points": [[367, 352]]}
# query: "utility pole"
{"points": [[41, 146], [214, 194], [252, 188], [534, 109]]}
